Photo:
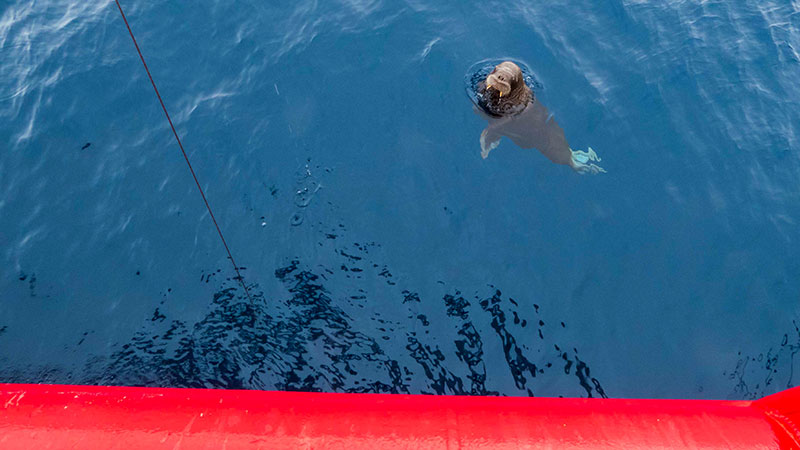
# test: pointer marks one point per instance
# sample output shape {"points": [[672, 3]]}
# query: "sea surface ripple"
{"points": [[341, 158]]}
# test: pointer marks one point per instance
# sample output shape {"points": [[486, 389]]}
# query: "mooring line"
{"points": [[185, 157]]}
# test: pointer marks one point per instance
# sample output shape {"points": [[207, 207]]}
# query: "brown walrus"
{"points": [[513, 111]]}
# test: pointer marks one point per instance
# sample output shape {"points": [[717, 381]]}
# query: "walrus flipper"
{"points": [[489, 141], [582, 161]]}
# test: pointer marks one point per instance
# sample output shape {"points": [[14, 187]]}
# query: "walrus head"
{"points": [[505, 78], [504, 92]]}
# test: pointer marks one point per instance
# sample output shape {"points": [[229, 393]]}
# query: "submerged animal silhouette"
{"points": [[512, 110]]}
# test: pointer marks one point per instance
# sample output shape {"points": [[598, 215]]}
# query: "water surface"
{"points": [[341, 157]]}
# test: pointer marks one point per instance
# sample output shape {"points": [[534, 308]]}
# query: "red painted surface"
{"points": [[51, 416]]}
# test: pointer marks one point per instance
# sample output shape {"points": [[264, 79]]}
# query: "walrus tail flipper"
{"points": [[489, 141], [583, 162]]}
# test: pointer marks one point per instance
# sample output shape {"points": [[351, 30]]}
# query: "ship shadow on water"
{"points": [[314, 346]]}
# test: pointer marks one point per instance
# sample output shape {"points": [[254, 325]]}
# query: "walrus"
{"points": [[512, 110]]}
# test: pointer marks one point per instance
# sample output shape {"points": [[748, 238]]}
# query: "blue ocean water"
{"points": [[340, 154]]}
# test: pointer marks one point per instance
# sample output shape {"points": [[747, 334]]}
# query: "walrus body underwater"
{"points": [[512, 110]]}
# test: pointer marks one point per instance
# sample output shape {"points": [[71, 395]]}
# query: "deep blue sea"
{"points": [[340, 153]]}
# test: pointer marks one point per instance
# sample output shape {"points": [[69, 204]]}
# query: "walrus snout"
{"points": [[498, 82], [504, 77]]}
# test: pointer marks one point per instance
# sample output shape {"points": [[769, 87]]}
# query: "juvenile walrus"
{"points": [[512, 110]]}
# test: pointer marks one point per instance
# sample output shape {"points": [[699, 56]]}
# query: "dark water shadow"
{"points": [[769, 371]]}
